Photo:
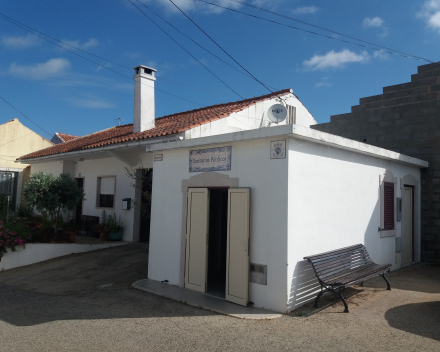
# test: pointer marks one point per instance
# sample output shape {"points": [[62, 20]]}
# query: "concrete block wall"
{"points": [[405, 119]]}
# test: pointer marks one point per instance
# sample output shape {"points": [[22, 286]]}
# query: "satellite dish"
{"points": [[277, 113]]}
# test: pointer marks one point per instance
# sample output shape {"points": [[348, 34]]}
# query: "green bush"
{"points": [[51, 195]]}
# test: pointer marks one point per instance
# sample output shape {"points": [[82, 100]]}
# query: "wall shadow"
{"points": [[421, 319], [304, 286], [27, 308], [418, 278]]}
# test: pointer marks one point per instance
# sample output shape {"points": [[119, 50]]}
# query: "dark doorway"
{"points": [[145, 218], [218, 218], [79, 207]]}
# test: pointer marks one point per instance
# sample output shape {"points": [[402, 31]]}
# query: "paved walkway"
{"points": [[197, 299], [85, 302]]}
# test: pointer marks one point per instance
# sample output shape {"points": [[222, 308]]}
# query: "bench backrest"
{"points": [[330, 263]]}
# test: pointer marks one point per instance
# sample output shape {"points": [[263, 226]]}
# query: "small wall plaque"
{"points": [[278, 149], [158, 157], [212, 159]]}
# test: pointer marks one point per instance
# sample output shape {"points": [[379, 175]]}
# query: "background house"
{"points": [[405, 118], [62, 137], [15, 141]]}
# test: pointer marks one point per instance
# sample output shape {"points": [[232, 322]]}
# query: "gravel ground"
{"points": [[84, 302]]}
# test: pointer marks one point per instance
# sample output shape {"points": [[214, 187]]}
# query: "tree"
{"points": [[51, 195]]}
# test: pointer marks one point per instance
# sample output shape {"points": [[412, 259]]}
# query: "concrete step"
{"points": [[420, 83], [409, 99], [424, 75], [387, 106], [400, 94], [428, 67], [340, 117]]}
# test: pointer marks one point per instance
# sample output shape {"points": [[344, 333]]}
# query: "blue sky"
{"points": [[65, 93]]}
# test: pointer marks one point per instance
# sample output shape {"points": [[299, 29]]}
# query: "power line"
{"points": [[328, 30], [183, 47], [7, 102], [255, 78], [200, 46], [30, 29], [392, 52]]}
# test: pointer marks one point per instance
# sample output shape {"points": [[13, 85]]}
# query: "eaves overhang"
{"points": [[293, 131]]}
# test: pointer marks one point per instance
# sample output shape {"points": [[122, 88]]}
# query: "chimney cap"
{"points": [[150, 68]]}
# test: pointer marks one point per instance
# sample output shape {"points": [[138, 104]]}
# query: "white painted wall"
{"points": [[54, 167], [252, 117], [268, 182], [38, 252], [334, 202], [90, 170]]}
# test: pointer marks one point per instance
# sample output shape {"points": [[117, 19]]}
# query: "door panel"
{"points": [[196, 239], [237, 257], [407, 226]]}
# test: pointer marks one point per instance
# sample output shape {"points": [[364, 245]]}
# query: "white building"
{"points": [[238, 201]]}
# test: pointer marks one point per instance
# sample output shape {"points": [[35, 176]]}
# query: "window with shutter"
{"points": [[106, 191], [388, 206]]}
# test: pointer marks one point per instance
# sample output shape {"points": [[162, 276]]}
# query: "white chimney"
{"points": [[143, 117]]}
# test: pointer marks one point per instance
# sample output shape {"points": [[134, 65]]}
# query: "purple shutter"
{"points": [[388, 206]]}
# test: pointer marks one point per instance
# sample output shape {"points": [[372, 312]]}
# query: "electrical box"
{"points": [[126, 204], [399, 209]]}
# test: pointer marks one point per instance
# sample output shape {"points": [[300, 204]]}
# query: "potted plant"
{"points": [[69, 229], [115, 228]]}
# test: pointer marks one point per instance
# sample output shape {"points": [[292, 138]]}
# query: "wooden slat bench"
{"points": [[343, 268]]}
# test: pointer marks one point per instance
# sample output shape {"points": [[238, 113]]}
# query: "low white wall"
{"points": [[38, 252]]}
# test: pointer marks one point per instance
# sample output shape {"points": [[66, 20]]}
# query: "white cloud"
{"points": [[373, 22], [44, 70], [194, 5], [19, 42], [334, 60], [305, 10], [430, 13], [92, 42], [91, 103], [381, 55], [322, 84]]}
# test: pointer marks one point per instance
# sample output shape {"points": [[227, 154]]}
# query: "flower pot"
{"points": [[116, 236], [70, 236]]}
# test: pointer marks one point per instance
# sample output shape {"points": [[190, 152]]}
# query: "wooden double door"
{"points": [[203, 241]]}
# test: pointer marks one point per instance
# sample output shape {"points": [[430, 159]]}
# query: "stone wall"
{"points": [[405, 119]]}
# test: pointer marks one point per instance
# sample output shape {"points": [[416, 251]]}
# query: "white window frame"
{"points": [[98, 192]]}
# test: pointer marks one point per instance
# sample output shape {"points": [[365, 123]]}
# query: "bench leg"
{"points": [[362, 284], [318, 297], [386, 280], [334, 292], [340, 296]]}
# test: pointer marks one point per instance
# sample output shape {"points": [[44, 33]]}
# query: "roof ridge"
{"points": [[283, 91]]}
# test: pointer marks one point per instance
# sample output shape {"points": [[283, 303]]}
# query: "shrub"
{"points": [[51, 195], [13, 234]]}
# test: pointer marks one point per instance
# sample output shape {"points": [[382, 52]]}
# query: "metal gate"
{"points": [[8, 185]]}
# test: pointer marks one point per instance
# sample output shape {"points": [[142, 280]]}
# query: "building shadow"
{"points": [[304, 286], [421, 319], [419, 278], [28, 308]]}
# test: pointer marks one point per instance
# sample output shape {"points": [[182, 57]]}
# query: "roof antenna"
{"points": [[119, 121]]}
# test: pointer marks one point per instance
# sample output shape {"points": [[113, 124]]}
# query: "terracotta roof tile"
{"points": [[66, 137], [165, 125]]}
